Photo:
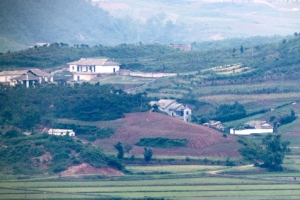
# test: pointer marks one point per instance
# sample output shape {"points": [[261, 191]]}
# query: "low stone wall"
{"points": [[250, 131], [145, 74]]}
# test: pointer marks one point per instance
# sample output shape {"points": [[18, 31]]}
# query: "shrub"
{"points": [[162, 142], [147, 154]]}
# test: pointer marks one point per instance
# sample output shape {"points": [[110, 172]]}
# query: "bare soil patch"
{"points": [[202, 141], [86, 168]]}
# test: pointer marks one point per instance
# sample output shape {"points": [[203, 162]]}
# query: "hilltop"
{"points": [[201, 140]]}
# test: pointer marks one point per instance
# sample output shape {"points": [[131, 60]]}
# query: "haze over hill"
{"points": [[25, 23]]}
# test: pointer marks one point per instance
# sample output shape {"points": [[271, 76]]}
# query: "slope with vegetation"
{"points": [[34, 154], [24, 108]]}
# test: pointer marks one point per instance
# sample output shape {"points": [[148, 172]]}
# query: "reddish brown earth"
{"points": [[202, 141], [86, 168]]}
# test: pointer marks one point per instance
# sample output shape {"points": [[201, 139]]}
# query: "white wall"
{"points": [[250, 131], [61, 132], [71, 68], [107, 69], [187, 117]]}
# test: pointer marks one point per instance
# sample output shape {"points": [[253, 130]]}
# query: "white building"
{"points": [[174, 109], [28, 77], [253, 127], [86, 69], [61, 132]]}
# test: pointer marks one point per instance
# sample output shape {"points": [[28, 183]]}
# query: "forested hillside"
{"points": [[74, 21], [24, 108], [278, 57], [25, 23]]}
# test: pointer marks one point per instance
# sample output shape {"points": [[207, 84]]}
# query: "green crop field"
{"points": [[185, 182]]}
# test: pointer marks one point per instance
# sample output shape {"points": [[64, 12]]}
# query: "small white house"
{"points": [[174, 109], [86, 69], [61, 132], [254, 127]]}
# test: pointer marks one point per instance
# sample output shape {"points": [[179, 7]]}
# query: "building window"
{"points": [[72, 67], [187, 112]]}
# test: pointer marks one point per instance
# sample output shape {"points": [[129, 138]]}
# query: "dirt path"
{"points": [[218, 171]]}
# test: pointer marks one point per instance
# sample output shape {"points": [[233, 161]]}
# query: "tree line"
{"points": [[25, 107]]}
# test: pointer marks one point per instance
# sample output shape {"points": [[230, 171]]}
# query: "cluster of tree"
{"points": [[268, 154], [126, 149], [288, 118], [226, 112], [21, 154], [24, 108]]}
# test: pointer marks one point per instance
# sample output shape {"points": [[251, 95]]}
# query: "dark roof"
{"points": [[26, 77]]}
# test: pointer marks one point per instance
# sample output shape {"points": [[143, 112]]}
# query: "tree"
{"points": [[288, 118], [127, 148], [269, 154], [120, 150], [233, 51], [147, 154], [242, 49]]}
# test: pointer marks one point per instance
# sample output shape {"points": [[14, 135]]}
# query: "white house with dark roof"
{"points": [[28, 77], [86, 69], [174, 109]]}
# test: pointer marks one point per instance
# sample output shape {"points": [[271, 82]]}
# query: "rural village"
{"points": [[87, 69], [150, 100]]}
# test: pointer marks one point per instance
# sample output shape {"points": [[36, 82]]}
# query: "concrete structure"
{"points": [[61, 132], [215, 124], [174, 109], [28, 77], [86, 69], [182, 47], [253, 127]]}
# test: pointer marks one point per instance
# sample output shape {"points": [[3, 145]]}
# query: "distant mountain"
{"points": [[25, 23], [92, 22]]}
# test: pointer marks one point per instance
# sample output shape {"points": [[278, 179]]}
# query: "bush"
{"points": [[162, 142], [115, 163]]}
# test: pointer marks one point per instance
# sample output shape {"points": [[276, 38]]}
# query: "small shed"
{"points": [[61, 132]]}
